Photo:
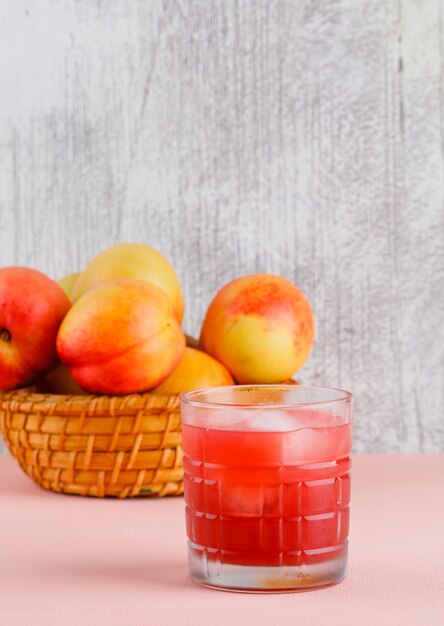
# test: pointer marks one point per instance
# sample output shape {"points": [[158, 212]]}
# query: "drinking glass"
{"points": [[267, 486]]}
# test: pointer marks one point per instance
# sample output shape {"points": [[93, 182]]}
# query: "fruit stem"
{"points": [[5, 335]]}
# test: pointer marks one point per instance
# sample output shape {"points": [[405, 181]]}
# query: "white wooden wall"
{"points": [[298, 137]]}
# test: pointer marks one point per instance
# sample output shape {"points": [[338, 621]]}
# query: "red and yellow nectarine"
{"points": [[32, 307], [260, 327], [121, 337]]}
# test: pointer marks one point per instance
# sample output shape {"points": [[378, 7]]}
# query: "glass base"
{"points": [[259, 579]]}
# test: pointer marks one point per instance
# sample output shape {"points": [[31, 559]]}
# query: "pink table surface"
{"points": [[70, 560]]}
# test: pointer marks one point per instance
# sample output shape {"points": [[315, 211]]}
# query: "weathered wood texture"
{"points": [[301, 138]]}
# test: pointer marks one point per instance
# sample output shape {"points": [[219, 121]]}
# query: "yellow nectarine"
{"points": [[136, 261], [196, 369], [67, 282]]}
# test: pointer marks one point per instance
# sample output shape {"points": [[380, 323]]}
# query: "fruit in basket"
{"points": [[67, 282], [60, 381], [32, 307], [136, 261], [121, 337], [260, 327], [196, 369]]}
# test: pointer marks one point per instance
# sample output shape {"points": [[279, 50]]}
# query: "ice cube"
{"points": [[250, 499], [223, 419], [246, 500], [272, 421], [251, 420], [317, 417], [315, 445]]}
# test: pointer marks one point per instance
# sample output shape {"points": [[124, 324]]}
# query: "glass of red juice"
{"points": [[267, 486]]}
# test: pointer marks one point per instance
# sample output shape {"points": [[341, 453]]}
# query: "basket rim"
{"points": [[29, 401], [26, 401]]}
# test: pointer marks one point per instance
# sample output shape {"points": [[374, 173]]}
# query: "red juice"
{"points": [[263, 497]]}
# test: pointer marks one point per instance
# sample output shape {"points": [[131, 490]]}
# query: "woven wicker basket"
{"points": [[120, 446]]}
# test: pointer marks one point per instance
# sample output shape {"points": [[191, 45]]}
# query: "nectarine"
{"points": [[121, 337], [136, 261], [32, 307], [260, 327], [67, 283], [196, 369]]}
